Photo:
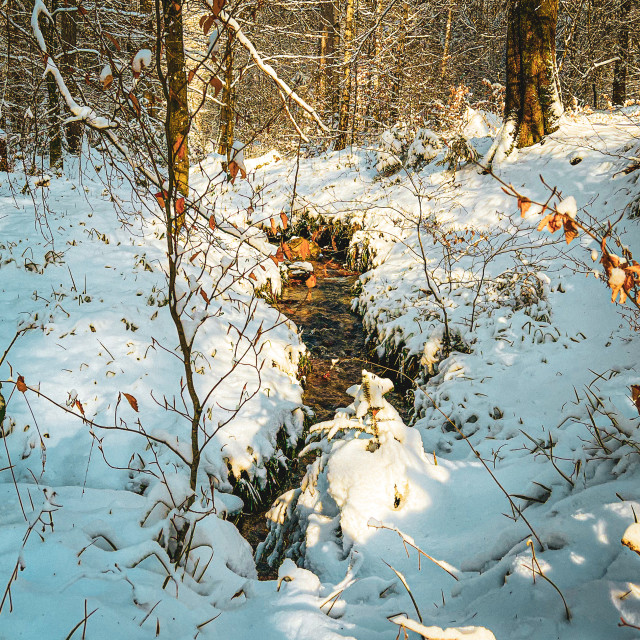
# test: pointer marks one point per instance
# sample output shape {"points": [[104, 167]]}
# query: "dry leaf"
{"points": [[21, 385], [274, 228], [635, 395], [216, 84], [285, 220], [253, 276], [524, 204], [311, 281], [204, 295], [212, 223], [131, 400], [78, 405]]}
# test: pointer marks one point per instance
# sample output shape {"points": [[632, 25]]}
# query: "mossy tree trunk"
{"points": [[345, 93], [532, 97], [532, 101], [177, 120]]}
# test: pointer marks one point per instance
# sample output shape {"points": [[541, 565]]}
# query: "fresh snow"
{"points": [[538, 383]]}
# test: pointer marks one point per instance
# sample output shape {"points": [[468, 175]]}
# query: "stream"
{"points": [[336, 343]]}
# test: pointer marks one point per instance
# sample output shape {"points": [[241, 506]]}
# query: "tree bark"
{"points": [[345, 93], [619, 93], [69, 34], [227, 111], [177, 124], [398, 75], [532, 101], [55, 130], [327, 53]]}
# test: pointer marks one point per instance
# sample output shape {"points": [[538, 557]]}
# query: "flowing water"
{"points": [[335, 339]]}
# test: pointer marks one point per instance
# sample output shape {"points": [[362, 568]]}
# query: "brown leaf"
{"points": [[112, 40], [160, 196], [274, 228], [311, 281], [216, 84], [82, 11], [635, 395], [287, 250], [275, 259], [285, 220], [107, 81], [217, 6], [280, 254], [253, 276], [524, 204], [21, 385], [204, 295], [233, 170], [208, 22], [570, 229], [131, 400], [179, 206], [212, 223], [191, 76], [78, 405], [304, 249], [134, 103], [179, 148]]}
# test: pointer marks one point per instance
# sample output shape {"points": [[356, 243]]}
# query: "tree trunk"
{"points": [[55, 130], [622, 51], [177, 123], [447, 43], [69, 33], [398, 75], [532, 105], [227, 111], [327, 53], [345, 94]]}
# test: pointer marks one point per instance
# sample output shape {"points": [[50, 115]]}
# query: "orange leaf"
{"points": [[285, 220], [280, 255], [274, 228], [78, 405], [204, 295], [191, 76], [212, 223], [311, 281], [131, 400], [253, 276], [21, 385], [179, 206], [524, 204], [160, 196], [287, 250], [275, 259], [570, 229]]}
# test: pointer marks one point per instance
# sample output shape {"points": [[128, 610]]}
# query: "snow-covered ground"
{"points": [[538, 382]]}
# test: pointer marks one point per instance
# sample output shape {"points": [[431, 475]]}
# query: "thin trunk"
{"points": [[398, 75], [177, 105], [69, 33], [447, 43], [55, 130], [622, 51], [377, 61], [227, 111], [327, 52], [345, 94]]}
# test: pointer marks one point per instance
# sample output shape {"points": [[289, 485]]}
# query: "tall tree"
{"points": [[619, 94], [177, 118], [69, 37], [532, 101], [55, 130], [345, 93]]}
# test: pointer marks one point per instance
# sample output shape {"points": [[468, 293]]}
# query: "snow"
{"points": [[512, 489], [141, 61]]}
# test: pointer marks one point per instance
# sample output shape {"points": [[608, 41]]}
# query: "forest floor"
{"points": [[520, 439]]}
